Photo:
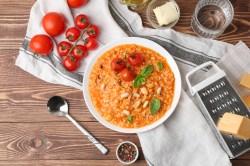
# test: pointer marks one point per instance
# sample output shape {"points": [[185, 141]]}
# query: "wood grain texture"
{"points": [[58, 140], [68, 162], [29, 135]]}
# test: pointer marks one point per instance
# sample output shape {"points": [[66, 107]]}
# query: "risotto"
{"points": [[131, 103]]}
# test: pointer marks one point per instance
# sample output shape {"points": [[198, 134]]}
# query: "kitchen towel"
{"points": [[184, 139]]}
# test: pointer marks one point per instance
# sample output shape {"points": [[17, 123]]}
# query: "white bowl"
{"points": [[146, 43]]}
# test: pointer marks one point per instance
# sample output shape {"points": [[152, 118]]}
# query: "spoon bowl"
{"points": [[58, 106]]}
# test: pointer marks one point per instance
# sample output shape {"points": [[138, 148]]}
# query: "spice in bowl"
{"points": [[127, 152]]}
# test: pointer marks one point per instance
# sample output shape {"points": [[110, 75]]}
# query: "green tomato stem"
{"points": [[80, 37]]}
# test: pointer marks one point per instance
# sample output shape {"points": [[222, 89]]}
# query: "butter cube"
{"points": [[246, 100], [245, 80], [166, 13], [235, 124]]}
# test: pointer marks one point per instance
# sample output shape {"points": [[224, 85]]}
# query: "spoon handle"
{"points": [[89, 136]]}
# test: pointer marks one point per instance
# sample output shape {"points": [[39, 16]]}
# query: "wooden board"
{"points": [[29, 135]]}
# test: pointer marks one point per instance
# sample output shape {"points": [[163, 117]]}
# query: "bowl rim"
{"points": [[145, 43], [137, 152]]}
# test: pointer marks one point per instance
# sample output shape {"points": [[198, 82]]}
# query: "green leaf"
{"points": [[146, 71], [155, 106], [129, 119], [160, 65], [138, 81]]}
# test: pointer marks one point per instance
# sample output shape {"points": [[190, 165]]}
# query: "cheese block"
{"points": [[246, 100], [235, 124], [245, 80], [166, 13]]}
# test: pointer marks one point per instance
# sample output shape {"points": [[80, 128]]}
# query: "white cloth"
{"points": [[185, 138]]}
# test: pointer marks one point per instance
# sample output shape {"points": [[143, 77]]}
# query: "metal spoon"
{"points": [[59, 107]]}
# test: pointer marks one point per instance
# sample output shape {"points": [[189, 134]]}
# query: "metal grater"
{"points": [[215, 96]]}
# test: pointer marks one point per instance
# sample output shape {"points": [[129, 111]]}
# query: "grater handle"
{"points": [[196, 69]]}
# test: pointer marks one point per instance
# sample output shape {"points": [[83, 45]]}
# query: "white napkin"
{"points": [[184, 139]]}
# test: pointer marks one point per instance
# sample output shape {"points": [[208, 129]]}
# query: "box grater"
{"points": [[215, 96]]}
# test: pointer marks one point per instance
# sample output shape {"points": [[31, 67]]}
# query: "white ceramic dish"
{"points": [[146, 43], [137, 152]]}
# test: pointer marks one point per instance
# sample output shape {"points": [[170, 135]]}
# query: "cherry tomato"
{"points": [[79, 52], [127, 75], [63, 48], [41, 44], [118, 64], [71, 63], [135, 59], [53, 23], [82, 21], [93, 31], [76, 3], [91, 43], [72, 34]]}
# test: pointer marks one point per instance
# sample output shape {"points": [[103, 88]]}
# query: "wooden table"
{"points": [[29, 135]]}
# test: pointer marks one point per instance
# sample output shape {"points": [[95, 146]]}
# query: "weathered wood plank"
{"points": [[58, 140], [69, 162], [88, 162]]}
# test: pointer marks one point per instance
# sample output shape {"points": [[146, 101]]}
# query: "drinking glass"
{"points": [[212, 17], [135, 4]]}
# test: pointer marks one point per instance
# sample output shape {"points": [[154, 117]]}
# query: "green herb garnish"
{"points": [[155, 106], [146, 71], [160, 65], [129, 118]]}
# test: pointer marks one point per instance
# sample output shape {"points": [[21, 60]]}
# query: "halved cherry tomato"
{"points": [[41, 44], [76, 3], [82, 21], [72, 34], [63, 48], [90, 43], [118, 64], [53, 23], [93, 31], [71, 63], [135, 59], [127, 75], [79, 52]]}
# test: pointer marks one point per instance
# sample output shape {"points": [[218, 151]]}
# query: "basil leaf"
{"points": [[138, 81], [155, 106], [129, 119], [146, 71], [160, 65]]}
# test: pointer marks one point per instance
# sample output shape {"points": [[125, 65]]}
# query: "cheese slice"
{"points": [[166, 13], [246, 100], [245, 80], [235, 124]]}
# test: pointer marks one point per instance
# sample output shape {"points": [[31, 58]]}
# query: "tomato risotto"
{"points": [[131, 86]]}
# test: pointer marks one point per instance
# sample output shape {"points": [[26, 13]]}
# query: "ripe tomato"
{"points": [[91, 43], [63, 48], [76, 3], [93, 31], [41, 44], [71, 63], [53, 23], [128, 75], [82, 21], [118, 64], [79, 52], [72, 34], [135, 59]]}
